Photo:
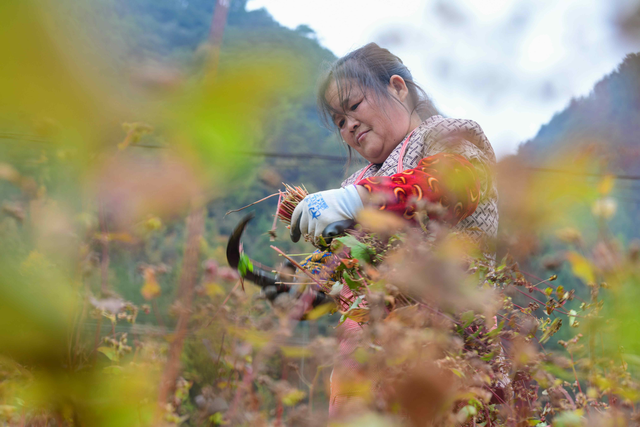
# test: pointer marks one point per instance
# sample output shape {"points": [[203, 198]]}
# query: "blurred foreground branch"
{"points": [[195, 228]]}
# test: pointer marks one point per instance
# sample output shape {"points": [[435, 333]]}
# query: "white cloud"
{"points": [[508, 64]]}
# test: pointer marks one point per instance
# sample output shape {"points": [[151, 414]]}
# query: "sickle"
{"points": [[259, 276]]}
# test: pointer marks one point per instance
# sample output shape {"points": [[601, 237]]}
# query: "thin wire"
{"points": [[566, 172], [303, 156], [145, 329], [329, 158]]}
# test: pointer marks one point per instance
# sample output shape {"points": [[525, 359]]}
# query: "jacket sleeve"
{"points": [[447, 179]]}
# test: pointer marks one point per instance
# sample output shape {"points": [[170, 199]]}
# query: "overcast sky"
{"points": [[509, 65]]}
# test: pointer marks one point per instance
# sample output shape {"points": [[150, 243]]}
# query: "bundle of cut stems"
{"points": [[291, 197]]}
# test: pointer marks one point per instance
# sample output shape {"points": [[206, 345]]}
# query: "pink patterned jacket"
{"points": [[434, 136]]}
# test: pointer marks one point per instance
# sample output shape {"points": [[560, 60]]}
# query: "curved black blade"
{"points": [[233, 245], [257, 276]]}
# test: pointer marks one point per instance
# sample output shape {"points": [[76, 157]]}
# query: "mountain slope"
{"points": [[607, 122]]}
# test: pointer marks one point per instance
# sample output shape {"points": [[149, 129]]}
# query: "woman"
{"points": [[415, 155]]}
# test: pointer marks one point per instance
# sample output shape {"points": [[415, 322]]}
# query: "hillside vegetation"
{"points": [[607, 122]]}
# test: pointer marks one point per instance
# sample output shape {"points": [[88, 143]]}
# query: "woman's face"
{"points": [[373, 128]]}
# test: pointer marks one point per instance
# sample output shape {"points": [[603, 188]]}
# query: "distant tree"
{"points": [[306, 31]]}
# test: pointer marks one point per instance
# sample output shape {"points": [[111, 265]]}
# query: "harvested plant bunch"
{"points": [[290, 199]]}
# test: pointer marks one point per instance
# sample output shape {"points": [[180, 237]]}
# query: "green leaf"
{"points": [[476, 403], [216, 418], [362, 253], [321, 242], [244, 265], [292, 397], [355, 304], [572, 317], [359, 250], [476, 333], [458, 373], [487, 357], [467, 412], [109, 352], [320, 311], [467, 317], [349, 241], [497, 330], [551, 330], [352, 284]]}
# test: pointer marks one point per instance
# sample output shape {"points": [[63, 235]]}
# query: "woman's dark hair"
{"points": [[370, 67]]}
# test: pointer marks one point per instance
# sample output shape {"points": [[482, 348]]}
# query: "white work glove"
{"points": [[316, 211]]}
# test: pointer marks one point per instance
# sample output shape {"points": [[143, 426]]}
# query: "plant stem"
{"points": [[195, 228], [573, 367], [313, 384], [251, 204], [104, 262]]}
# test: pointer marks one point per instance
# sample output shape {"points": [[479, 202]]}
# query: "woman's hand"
{"points": [[316, 211]]}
